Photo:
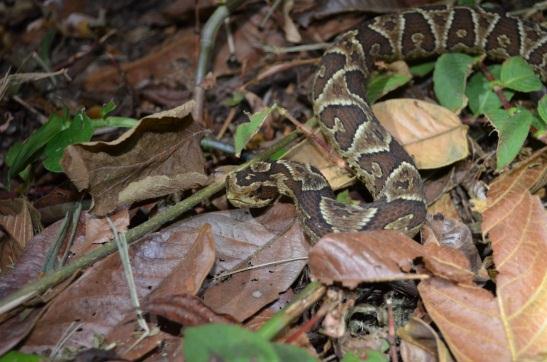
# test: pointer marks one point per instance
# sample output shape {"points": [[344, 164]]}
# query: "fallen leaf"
{"points": [[445, 206], [371, 256], [98, 230], [505, 191], [159, 64], [447, 263], [289, 27], [186, 310], [423, 129], [510, 325], [189, 274], [161, 155], [246, 292], [19, 218], [420, 342], [452, 233], [307, 153]]}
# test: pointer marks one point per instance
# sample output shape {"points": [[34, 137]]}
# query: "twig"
{"points": [[49, 280], [269, 13], [208, 36], [391, 331]]}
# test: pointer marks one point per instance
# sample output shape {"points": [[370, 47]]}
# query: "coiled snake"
{"points": [[345, 117]]}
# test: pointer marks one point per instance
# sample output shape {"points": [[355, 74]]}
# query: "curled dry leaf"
{"points": [[452, 233], [423, 129], [159, 156], [373, 256], [510, 326], [420, 342], [19, 219]]}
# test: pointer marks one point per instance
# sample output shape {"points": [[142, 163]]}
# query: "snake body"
{"points": [[346, 119]]}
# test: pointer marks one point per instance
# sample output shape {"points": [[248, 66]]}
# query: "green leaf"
{"points": [[80, 130], [518, 75], [542, 108], [14, 356], [449, 79], [232, 343], [372, 356], [481, 96], [287, 352], [512, 128], [107, 108], [19, 156], [247, 130], [419, 70], [382, 84], [237, 98]]}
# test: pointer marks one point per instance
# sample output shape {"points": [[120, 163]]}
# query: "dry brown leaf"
{"points": [[19, 218], [161, 155], [98, 230], [30, 264], [420, 342], [186, 310], [447, 263], [172, 297], [510, 326], [246, 292], [159, 64], [423, 129], [99, 300], [289, 27], [445, 206], [189, 274], [452, 233], [372, 256], [307, 153], [509, 187]]}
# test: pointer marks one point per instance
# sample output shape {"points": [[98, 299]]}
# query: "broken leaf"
{"points": [[159, 156]]}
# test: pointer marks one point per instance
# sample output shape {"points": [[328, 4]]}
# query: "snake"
{"points": [[345, 117]]}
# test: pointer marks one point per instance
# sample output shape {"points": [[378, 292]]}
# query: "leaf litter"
{"points": [[478, 271]]}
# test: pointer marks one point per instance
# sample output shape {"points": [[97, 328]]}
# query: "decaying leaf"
{"points": [[98, 230], [420, 342], [19, 218], [373, 256], [423, 129], [452, 233], [246, 292], [161, 155], [510, 325]]}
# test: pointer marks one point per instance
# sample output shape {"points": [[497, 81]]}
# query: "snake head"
{"points": [[252, 187]]}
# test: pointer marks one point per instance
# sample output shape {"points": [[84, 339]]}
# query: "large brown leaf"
{"points": [[373, 256], [423, 129], [161, 155], [510, 326], [246, 292], [509, 187], [99, 300]]}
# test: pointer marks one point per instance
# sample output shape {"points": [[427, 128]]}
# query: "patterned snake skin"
{"points": [[339, 98]]}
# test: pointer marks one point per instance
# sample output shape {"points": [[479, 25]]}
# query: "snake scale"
{"points": [[346, 119]]}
